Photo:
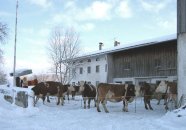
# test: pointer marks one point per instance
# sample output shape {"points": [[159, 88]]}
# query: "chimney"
{"points": [[116, 43], [100, 45]]}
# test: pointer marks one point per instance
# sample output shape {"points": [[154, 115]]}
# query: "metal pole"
{"points": [[15, 45]]}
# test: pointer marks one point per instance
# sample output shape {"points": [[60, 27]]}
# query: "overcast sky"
{"points": [[95, 20]]}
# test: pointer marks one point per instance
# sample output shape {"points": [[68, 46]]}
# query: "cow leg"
{"points": [[175, 102], [48, 100], [166, 102], [68, 95], [159, 97], [73, 95], [166, 106], [62, 101], [98, 102], [43, 98], [104, 105], [35, 99], [125, 105], [84, 100], [148, 102], [94, 102], [145, 102], [58, 100], [158, 102], [89, 100]]}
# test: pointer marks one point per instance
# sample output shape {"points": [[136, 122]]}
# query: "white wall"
{"points": [[92, 77]]}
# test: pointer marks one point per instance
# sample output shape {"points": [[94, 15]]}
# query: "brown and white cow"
{"points": [[170, 90], [49, 88], [148, 91], [88, 92], [115, 93]]}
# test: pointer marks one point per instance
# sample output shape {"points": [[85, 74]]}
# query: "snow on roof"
{"points": [[21, 72], [132, 45]]}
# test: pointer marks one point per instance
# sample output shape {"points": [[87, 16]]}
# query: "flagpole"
{"points": [[14, 79]]}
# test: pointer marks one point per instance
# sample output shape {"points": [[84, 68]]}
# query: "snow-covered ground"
{"points": [[72, 116]]}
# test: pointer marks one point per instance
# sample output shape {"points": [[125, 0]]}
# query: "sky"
{"points": [[72, 115], [96, 21]]}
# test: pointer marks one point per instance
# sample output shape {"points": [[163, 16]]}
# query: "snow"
{"points": [[72, 116]]}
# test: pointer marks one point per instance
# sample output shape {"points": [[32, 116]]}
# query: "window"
{"points": [[97, 68], [118, 82], [171, 64], [97, 82], [157, 63], [127, 66], [81, 70], [97, 59], [88, 69], [89, 60], [105, 67], [89, 82], [128, 82], [73, 70]]}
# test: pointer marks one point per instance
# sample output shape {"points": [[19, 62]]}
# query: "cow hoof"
{"points": [[57, 103], [151, 108], [48, 101], [107, 111]]}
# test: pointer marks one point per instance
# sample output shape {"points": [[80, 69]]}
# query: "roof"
{"points": [[128, 46], [21, 72]]}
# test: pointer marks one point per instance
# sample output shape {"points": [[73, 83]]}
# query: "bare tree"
{"points": [[3, 35], [3, 32], [64, 46]]}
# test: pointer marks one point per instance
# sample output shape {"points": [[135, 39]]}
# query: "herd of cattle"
{"points": [[108, 92]]}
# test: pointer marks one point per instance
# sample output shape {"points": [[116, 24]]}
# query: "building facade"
{"points": [[151, 61]]}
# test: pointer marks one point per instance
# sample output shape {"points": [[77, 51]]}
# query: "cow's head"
{"points": [[130, 92], [70, 88], [82, 86], [162, 87]]}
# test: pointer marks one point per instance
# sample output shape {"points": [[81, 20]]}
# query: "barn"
{"points": [[150, 60]]}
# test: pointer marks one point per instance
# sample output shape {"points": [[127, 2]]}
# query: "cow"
{"points": [[148, 90], [73, 90], [170, 90], [40, 91], [115, 93], [49, 88], [88, 92]]}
